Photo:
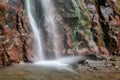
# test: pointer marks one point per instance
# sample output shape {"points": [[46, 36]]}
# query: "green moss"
{"points": [[119, 5], [83, 22]]}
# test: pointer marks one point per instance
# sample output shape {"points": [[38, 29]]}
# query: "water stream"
{"points": [[35, 72], [36, 34], [48, 9], [50, 24], [58, 63], [67, 68]]}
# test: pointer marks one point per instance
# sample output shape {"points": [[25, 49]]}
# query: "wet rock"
{"points": [[95, 65], [109, 14], [14, 46], [96, 57], [91, 56], [97, 30], [104, 51], [112, 59], [101, 15], [73, 61], [83, 51]]}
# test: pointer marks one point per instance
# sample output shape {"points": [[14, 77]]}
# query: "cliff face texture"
{"points": [[91, 26], [110, 23], [15, 38], [87, 26]]}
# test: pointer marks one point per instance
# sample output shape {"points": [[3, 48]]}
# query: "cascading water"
{"points": [[53, 33], [36, 34], [50, 24]]}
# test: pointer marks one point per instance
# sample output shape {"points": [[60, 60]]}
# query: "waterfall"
{"points": [[50, 24], [36, 33]]}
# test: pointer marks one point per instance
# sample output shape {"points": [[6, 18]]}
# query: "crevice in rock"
{"points": [[25, 59]]}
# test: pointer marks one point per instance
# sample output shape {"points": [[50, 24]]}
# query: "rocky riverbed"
{"points": [[100, 70], [108, 69]]}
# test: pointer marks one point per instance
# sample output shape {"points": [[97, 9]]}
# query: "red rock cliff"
{"points": [[15, 40], [99, 17]]}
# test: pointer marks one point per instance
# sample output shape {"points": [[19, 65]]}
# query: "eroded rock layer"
{"points": [[90, 25], [86, 26], [15, 41]]}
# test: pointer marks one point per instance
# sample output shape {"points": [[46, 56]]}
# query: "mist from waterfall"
{"points": [[50, 24], [48, 10], [36, 33]]}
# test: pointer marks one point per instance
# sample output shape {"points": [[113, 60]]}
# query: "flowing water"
{"points": [[36, 34], [48, 9], [60, 69], [47, 69], [44, 70], [35, 72], [50, 24]]}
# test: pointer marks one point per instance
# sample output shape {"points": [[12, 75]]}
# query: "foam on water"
{"points": [[61, 64]]}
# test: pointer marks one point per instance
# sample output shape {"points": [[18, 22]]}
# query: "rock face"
{"points": [[15, 41], [82, 29], [90, 26], [86, 26], [110, 19]]}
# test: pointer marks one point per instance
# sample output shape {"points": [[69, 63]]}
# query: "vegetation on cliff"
{"points": [[86, 26]]}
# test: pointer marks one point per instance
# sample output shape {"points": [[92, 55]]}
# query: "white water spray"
{"points": [[50, 24], [36, 34]]}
